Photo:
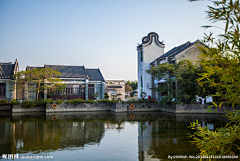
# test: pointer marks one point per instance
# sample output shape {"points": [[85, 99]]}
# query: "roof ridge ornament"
{"points": [[147, 40]]}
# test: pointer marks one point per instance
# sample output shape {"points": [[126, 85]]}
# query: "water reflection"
{"points": [[159, 134], [168, 135]]}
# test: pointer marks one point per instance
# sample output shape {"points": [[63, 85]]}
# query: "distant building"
{"points": [[151, 54], [81, 83], [115, 89], [7, 85]]}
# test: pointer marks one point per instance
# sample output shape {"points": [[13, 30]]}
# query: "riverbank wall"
{"points": [[196, 108], [113, 107], [6, 107], [125, 107], [19, 109]]}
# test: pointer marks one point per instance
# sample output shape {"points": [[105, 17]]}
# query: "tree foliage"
{"points": [[185, 74], [128, 88], [132, 83], [223, 59], [37, 79]]}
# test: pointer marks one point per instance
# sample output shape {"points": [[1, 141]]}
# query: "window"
{"points": [[2, 90], [90, 89], [141, 55]]}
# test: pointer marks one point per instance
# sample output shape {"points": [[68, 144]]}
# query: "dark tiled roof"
{"points": [[184, 48], [176, 50], [69, 71], [74, 72], [6, 70], [95, 75], [32, 67]]}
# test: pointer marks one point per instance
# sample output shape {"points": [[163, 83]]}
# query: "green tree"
{"points": [[222, 59], [185, 74], [132, 83], [37, 79], [128, 88]]}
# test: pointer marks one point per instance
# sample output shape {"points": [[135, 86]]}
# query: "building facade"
{"points": [[115, 89], [80, 82], [149, 50], [8, 89], [151, 54]]}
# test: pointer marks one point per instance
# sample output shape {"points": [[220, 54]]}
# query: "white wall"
{"points": [[139, 72], [150, 53]]}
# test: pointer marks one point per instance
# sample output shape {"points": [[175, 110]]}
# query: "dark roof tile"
{"points": [[75, 72], [176, 50], [69, 71], [32, 67], [95, 75], [6, 70]]}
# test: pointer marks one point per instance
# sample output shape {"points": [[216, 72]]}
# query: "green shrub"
{"points": [[75, 101], [95, 95], [3, 102], [152, 101], [39, 103], [69, 102], [114, 101], [59, 101], [14, 102], [90, 101], [34, 103], [48, 101], [104, 101], [27, 104], [142, 100], [106, 96]]}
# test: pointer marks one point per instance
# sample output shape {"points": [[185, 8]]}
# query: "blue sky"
{"points": [[95, 33]]}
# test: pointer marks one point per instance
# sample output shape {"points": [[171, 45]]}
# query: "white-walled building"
{"points": [[149, 50], [151, 54]]}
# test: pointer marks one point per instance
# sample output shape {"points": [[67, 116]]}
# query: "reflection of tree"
{"points": [[86, 132], [5, 147], [38, 135], [168, 136]]}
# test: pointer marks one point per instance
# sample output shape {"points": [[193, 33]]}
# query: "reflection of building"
{"points": [[5, 134], [38, 135], [151, 54], [7, 85], [144, 139], [119, 125], [81, 82], [168, 135], [115, 89]]}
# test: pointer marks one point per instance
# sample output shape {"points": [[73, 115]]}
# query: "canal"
{"points": [[90, 136]]}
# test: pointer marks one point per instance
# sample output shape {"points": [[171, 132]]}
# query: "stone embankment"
{"points": [[18, 108], [113, 107], [124, 107]]}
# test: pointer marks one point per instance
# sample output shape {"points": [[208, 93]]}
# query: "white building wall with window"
{"points": [[148, 51]]}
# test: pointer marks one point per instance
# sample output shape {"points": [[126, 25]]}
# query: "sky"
{"points": [[95, 33]]}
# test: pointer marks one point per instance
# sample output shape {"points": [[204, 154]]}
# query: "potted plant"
{"points": [[143, 95], [95, 95]]}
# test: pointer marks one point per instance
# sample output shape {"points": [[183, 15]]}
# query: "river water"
{"points": [[90, 136]]}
